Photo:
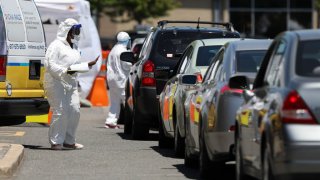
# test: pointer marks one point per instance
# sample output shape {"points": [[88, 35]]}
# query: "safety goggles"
{"points": [[75, 29]]}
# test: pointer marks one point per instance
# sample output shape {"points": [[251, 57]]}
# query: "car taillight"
{"points": [[148, 74], [199, 77], [227, 88], [3, 66], [295, 110]]}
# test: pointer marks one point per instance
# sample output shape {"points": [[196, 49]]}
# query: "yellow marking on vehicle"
{"points": [[197, 109], [171, 94], [244, 117], [12, 133], [211, 117]]}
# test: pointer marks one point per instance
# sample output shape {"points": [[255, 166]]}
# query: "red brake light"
{"points": [[227, 88], [295, 110], [199, 77], [148, 74], [3, 67], [148, 66]]}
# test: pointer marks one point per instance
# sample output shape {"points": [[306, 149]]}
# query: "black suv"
{"points": [[155, 65]]}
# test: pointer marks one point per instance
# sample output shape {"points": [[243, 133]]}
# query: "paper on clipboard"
{"points": [[82, 67]]}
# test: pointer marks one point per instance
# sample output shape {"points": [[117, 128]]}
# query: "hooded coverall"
{"points": [[117, 74], [61, 88]]}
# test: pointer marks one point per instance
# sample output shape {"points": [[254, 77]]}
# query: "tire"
{"points": [[266, 168], [139, 131], [121, 115], [12, 120], [239, 162], [208, 169], [127, 120], [179, 143], [190, 161], [164, 142]]}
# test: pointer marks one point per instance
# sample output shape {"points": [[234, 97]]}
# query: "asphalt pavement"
{"points": [[107, 154]]}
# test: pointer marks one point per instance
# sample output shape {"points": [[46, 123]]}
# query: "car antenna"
{"points": [[198, 23]]}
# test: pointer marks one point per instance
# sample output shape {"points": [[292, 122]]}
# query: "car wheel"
{"points": [[127, 119], [179, 144], [121, 115], [266, 169], [12, 120], [164, 142], [139, 131], [208, 169], [239, 164], [189, 159]]}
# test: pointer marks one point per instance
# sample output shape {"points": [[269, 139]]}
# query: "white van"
{"points": [[22, 52]]}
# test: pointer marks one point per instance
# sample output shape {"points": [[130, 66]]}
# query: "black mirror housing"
{"points": [[239, 82], [188, 79], [128, 57]]}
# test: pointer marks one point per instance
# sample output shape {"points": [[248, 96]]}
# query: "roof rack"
{"points": [[228, 25]]}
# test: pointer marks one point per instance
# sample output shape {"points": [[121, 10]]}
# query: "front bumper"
{"points": [[23, 106]]}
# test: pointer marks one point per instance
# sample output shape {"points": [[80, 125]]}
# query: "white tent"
{"points": [[52, 12]]}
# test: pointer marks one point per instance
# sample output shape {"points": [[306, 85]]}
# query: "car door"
{"points": [[133, 74], [267, 99], [173, 84], [196, 103]]}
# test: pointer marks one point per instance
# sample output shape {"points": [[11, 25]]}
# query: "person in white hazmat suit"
{"points": [[117, 74], [61, 87]]}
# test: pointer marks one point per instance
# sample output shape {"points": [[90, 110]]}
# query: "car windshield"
{"points": [[205, 54], [171, 44], [307, 63], [249, 61]]}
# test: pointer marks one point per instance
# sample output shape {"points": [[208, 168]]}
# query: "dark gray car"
{"points": [[211, 136], [278, 132]]}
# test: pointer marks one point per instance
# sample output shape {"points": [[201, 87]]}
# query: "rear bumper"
{"points": [[23, 107], [299, 154], [147, 103]]}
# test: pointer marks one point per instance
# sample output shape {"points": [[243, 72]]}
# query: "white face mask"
{"points": [[75, 39]]}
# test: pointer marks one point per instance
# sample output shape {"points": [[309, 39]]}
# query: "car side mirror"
{"points": [[128, 57], [188, 79], [239, 82]]}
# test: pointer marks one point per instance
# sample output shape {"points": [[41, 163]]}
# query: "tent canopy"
{"points": [[52, 12]]}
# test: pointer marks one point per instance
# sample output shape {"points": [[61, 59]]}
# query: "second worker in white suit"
{"points": [[117, 74]]}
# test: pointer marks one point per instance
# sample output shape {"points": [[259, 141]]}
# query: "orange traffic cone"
{"points": [[49, 116], [99, 95]]}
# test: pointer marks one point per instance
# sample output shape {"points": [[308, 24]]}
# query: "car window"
{"points": [[216, 69], [172, 43], [209, 70], [3, 46], [259, 80], [185, 60], [205, 54], [307, 62], [145, 45], [272, 75], [249, 61]]}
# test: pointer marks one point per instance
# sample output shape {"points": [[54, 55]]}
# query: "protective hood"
{"points": [[65, 27]]}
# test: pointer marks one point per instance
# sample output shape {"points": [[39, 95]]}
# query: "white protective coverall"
{"points": [[117, 74], [61, 88]]}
